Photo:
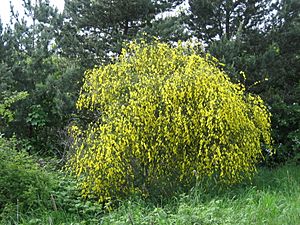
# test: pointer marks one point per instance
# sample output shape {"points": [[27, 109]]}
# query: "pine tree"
{"points": [[218, 19], [32, 63], [95, 30]]}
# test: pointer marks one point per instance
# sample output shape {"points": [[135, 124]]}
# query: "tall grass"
{"points": [[272, 198]]}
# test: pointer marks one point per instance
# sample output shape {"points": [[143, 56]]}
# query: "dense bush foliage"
{"points": [[6, 102], [29, 186], [23, 184], [68, 198], [165, 116]]}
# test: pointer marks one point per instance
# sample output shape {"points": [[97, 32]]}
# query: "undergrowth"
{"points": [[271, 198]]}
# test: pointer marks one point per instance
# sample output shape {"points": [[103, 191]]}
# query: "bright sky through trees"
{"points": [[5, 9]]}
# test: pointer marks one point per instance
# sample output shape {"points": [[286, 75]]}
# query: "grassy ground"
{"points": [[272, 198]]}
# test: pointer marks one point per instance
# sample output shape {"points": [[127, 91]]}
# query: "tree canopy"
{"points": [[46, 53]]}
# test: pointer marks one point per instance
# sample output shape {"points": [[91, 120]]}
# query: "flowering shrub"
{"points": [[162, 114]]}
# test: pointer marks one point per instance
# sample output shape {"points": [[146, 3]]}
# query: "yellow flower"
{"points": [[158, 114]]}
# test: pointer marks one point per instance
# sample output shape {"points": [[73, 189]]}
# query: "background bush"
{"points": [[162, 117], [24, 185]]}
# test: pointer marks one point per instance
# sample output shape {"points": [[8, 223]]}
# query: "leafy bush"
{"points": [[286, 132], [6, 101], [23, 184], [163, 116], [67, 197]]}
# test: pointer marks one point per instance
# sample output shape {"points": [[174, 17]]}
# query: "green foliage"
{"points": [[23, 184], [165, 117], [167, 29], [255, 58], [33, 193], [271, 198], [219, 19], [6, 114], [30, 62], [68, 198], [286, 132], [284, 93], [95, 29], [270, 59]]}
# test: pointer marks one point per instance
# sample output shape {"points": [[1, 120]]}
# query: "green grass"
{"points": [[273, 197]]}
